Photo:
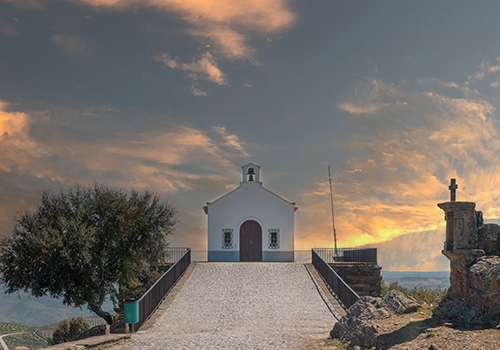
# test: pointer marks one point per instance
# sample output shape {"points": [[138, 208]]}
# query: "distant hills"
{"points": [[30, 311], [412, 279]]}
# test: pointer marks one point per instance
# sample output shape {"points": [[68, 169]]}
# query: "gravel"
{"points": [[242, 306]]}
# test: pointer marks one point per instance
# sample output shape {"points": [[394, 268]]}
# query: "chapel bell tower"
{"points": [[251, 173]]}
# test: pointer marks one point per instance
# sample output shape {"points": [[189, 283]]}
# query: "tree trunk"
{"points": [[101, 313]]}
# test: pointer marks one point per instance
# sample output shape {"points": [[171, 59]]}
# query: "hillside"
{"points": [[412, 279], [30, 311]]}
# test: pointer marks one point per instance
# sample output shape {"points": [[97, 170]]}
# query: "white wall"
{"points": [[251, 202]]}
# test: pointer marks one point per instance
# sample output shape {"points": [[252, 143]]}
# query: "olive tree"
{"points": [[80, 245]]}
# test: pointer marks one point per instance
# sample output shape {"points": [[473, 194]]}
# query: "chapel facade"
{"points": [[250, 223]]}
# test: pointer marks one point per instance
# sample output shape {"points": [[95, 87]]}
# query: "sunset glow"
{"points": [[174, 96]]}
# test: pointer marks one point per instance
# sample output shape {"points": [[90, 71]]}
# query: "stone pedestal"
{"points": [[461, 225]]}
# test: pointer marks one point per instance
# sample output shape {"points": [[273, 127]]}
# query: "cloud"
{"points": [[366, 109], [228, 27], [205, 68], [391, 204], [228, 24], [485, 70], [372, 96], [231, 140], [72, 45], [232, 44], [18, 147], [40, 150], [197, 91]]}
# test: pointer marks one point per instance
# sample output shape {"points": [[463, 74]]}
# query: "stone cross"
{"points": [[453, 190]]}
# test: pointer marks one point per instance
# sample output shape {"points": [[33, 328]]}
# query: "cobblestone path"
{"points": [[242, 306]]}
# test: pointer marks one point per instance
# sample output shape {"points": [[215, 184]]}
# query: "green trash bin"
{"points": [[131, 312]]}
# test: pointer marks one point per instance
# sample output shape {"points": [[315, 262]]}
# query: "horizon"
{"points": [[175, 96]]}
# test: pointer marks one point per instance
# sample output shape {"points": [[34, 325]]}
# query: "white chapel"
{"points": [[250, 223]]}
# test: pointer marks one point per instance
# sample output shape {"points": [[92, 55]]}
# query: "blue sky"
{"points": [[175, 96]]}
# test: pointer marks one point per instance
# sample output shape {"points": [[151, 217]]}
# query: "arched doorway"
{"points": [[250, 241]]}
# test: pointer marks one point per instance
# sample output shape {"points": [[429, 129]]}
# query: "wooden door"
{"points": [[250, 241]]}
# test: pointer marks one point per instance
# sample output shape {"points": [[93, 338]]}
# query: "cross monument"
{"points": [[453, 190]]}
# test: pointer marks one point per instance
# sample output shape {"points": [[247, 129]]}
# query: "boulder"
{"points": [[357, 327], [399, 303]]}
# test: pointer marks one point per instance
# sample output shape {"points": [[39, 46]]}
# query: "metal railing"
{"points": [[327, 254], [199, 255], [368, 255], [175, 254], [299, 255], [333, 280], [152, 298]]}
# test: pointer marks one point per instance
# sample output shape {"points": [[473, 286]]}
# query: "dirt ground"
{"points": [[419, 331]]}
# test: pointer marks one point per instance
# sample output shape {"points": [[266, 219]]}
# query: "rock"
{"points": [[94, 331], [488, 239], [433, 347], [481, 302], [455, 312], [357, 327], [368, 308], [399, 303], [460, 263]]}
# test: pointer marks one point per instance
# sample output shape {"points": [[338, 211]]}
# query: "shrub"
{"points": [[64, 332]]}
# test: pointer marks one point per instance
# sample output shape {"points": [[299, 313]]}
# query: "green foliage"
{"points": [[81, 245], [421, 294], [64, 332], [141, 281], [78, 326], [60, 333]]}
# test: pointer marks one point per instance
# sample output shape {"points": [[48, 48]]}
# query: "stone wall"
{"points": [[363, 278]]}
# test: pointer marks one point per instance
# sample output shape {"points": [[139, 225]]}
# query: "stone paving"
{"points": [[242, 306]]}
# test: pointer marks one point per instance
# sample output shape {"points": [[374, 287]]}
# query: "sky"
{"points": [[175, 96]]}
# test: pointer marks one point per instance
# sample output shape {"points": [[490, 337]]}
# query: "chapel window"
{"points": [[227, 238], [274, 238]]}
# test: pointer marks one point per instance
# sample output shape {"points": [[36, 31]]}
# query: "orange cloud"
{"points": [[205, 68], [225, 23], [367, 109], [170, 160], [153, 159], [231, 140], [18, 147], [391, 203]]}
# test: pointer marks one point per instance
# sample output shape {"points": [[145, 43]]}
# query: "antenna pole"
{"points": [[333, 214]]}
